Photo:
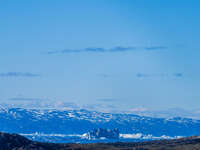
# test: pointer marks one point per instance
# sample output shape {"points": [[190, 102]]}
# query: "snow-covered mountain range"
{"points": [[53, 121]]}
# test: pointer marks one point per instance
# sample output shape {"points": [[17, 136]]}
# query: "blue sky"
{"points": [[124, 53]]}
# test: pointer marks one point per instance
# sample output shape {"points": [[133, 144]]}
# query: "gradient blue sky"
{"points": [[125, 53]]}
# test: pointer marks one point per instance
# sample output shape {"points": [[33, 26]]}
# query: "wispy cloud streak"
{"points": [[26, 99], [94, 50], [152, 48], [178, 75], [106, 50], [145, 75], [18, 74], [107, 100]]}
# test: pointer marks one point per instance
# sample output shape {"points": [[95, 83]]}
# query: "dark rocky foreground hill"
{"points": [[17, 142]]}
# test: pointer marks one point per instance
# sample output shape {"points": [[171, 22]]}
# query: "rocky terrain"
{"points": [[17, 142], [30, 121]]}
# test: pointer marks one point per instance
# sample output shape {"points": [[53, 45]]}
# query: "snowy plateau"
{"points": [[52, 125]]}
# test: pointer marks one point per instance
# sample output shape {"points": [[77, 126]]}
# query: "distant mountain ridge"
{"points": [[19, 120]]}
